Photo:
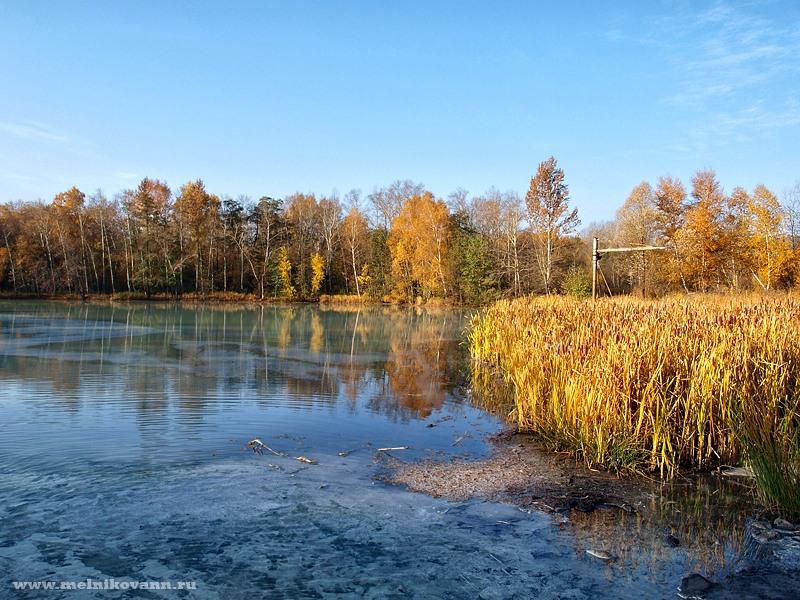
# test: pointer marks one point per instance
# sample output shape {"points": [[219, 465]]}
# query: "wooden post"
{"points": [[595, 258]]}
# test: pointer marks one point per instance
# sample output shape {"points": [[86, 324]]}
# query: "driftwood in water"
{"points": [[257, 446]]}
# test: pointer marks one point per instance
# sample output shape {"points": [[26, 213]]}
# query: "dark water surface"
{"points": [[122, 433]]}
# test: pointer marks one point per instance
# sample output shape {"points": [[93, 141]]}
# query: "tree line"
{"points": [[399, 243]]}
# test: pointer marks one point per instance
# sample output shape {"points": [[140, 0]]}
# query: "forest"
{"points": [[398, 243]]}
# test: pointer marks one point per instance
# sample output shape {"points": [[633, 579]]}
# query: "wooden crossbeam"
{"points": [[597, 254], [631, 249]]}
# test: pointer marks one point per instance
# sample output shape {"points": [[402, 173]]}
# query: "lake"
{"points": [[122, 458]]}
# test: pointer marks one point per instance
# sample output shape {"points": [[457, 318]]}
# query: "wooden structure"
{"points": [[597, 254]]}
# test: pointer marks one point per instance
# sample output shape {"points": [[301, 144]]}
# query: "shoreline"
{"points": [[229, 298], [521, 472]]}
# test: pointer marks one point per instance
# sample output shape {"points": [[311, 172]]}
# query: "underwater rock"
{"points": [[694, 586], [784, 525], [762, 532]]}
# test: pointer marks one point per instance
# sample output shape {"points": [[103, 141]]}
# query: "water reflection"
{"points": [[698, 525], [400, 363]]}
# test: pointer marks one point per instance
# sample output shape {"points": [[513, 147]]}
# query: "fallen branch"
{"points": [[502, 566], [257, 446], [600, 554]]}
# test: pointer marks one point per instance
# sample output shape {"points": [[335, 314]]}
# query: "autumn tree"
{"points": [[198, 216], [106, 219], [418, 242], [670, 200], [148, 213], [736, 257], [769, 247], [68, 207], [637, 225], [459, 205], [317, 272], [550, 215], [512, 219], [478, 248], [499, 218], [36, 250], [355, 233], [303, 218], [283, 274], [701, 236]]}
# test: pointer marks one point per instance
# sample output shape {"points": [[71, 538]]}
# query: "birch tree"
{"points": [[550, 215]]}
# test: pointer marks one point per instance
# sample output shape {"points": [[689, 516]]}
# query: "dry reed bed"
{"points": [[654, 385]]}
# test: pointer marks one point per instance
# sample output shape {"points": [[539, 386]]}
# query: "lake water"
{"points": [[122, 457]]}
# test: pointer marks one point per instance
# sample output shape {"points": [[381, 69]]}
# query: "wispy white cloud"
{"points": [[734, 68], [737, 126], [32, 130], [730, 50]]}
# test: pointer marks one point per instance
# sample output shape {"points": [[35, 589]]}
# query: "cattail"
{"points": [[630, 384]]}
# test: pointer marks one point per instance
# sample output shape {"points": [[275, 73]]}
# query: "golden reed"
{"points": [[656, 385]]}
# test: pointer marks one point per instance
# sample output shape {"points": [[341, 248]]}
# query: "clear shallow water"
{"points": [[122, 433]]}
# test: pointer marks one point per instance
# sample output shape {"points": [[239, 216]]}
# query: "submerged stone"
{"points": [[694, 586], [784, 525]]}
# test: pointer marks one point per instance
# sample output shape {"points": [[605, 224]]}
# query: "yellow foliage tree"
{"points": [[550, 216], [317, 272], [770, 249], [285, 274], [419, 243], [198, 215], [700, 239], [364, 279]]}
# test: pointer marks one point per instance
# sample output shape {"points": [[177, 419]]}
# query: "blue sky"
{"points": [[276, 97]]}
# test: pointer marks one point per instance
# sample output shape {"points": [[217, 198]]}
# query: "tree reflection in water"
{"points": [[398, 362]]}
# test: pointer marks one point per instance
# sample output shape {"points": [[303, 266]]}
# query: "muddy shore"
{"points": [[520, 471]]}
